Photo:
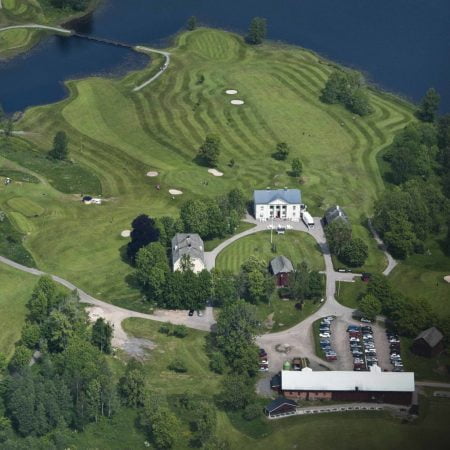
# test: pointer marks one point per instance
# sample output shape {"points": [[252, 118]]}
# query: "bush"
{"points": [[354, 253], [180, 331], [252, 411], [166, 329], [217, 362], [177, 365]]}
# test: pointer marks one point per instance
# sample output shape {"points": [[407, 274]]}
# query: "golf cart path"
{"points": [[391, 261], [161, 71], [116, 314], [37, 27], [299, 337]]}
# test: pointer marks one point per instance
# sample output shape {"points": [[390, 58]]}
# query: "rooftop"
{"points": [[281, 264], [335, 212], [187, 244], [373, 381], [265, 196], [432, 336]]}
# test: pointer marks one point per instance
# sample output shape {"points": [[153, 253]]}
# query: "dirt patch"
{"points": [[95, 312], [152, 174], [125, 233], [215, 172], [175, 192], [138, 348], [283, 348]]}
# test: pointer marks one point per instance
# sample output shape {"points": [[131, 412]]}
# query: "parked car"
{"points": [[365, 320], [263, 368], [331, 318], [353, 339], [191, 312], [353, 328], [366, 328], [325, 335]]}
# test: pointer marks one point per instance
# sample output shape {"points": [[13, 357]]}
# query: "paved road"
{"points": [[434, 384], [391, 261], [38, 27], [116, 314], [163, 69]]}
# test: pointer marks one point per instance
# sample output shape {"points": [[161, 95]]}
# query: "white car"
{"points": [[325, 335]]}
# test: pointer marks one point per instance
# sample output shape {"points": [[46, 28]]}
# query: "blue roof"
{"points": [[292, 196]]}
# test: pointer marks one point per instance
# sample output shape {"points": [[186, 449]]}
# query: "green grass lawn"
{"points": [[283, 312], [116, 136], [15, 291], [422, 276], [349, 293], [213, 243], [191, 350], [295, 245], [425, 368]]}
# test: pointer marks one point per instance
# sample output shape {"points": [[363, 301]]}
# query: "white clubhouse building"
{"points": [[284, 204]]}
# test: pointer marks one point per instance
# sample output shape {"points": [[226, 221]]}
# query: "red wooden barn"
{"points": [[281, 267]]}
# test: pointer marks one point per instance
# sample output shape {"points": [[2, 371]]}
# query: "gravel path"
{"points": [[391, 261], [38, 27]]}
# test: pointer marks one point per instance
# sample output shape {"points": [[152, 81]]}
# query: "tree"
{"points": [[282, 151], [132, 384], [102, 333], [237, 201], [296, 167], [257, 31], [31, 334], [209, 151], [237, 392], [429, 106], [192, 23], [370, 306], [144, 231], [152, 268], [354, 253], [224, 287], [163, 425], [205, 421], [217, 362], [76, 5], [3, 362], [21, 358], [235, 333], [252, 411], [59, 150], [338, 234], [347, 88]]}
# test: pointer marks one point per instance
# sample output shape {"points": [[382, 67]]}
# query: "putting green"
{"points": [[23, 224], [26, 206], [118, 135]]}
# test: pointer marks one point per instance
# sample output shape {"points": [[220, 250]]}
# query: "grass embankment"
{"points": [[295, 245], [348, 293], [119, 135], [15, 291], [213, 243]]}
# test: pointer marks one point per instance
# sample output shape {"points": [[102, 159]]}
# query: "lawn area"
{"points": [[191, 350], [422, 276], [116, 136], [283, 312], [348, 293], [425, 368], [295, 245], [213, 243], [15, 291]]}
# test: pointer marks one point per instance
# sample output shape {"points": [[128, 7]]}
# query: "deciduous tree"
{"points": [[429, 106]]}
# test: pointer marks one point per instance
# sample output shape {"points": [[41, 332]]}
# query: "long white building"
{"points": [[284, 204]]}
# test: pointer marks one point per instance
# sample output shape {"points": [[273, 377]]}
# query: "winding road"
{"points": [[299, 337]]}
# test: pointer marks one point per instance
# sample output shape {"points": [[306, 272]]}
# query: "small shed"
{"points": [[280, 406], [281, 267], [428, 343]]}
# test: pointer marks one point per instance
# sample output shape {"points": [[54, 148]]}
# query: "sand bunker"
{"points": [[237, 102], [215, 172], [175, 192], [231, 91], [152, 174], [447, 278], [125, 233]]}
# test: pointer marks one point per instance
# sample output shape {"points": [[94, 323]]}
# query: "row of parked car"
{"points": [[394, 350], [263, 360], [362, 346], [325, 338]]}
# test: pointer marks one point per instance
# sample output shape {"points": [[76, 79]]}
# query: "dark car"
{"points": [[191, 312], [353, 328]]}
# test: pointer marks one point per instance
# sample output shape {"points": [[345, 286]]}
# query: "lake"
{"points": [[401, 45]]}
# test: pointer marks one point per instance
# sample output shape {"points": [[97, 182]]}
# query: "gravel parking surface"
{"points": [[339, 338], [382, 345]]}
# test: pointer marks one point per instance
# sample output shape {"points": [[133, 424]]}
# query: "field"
{"points": [[295, 245], [116, 136], [15, 290]]}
